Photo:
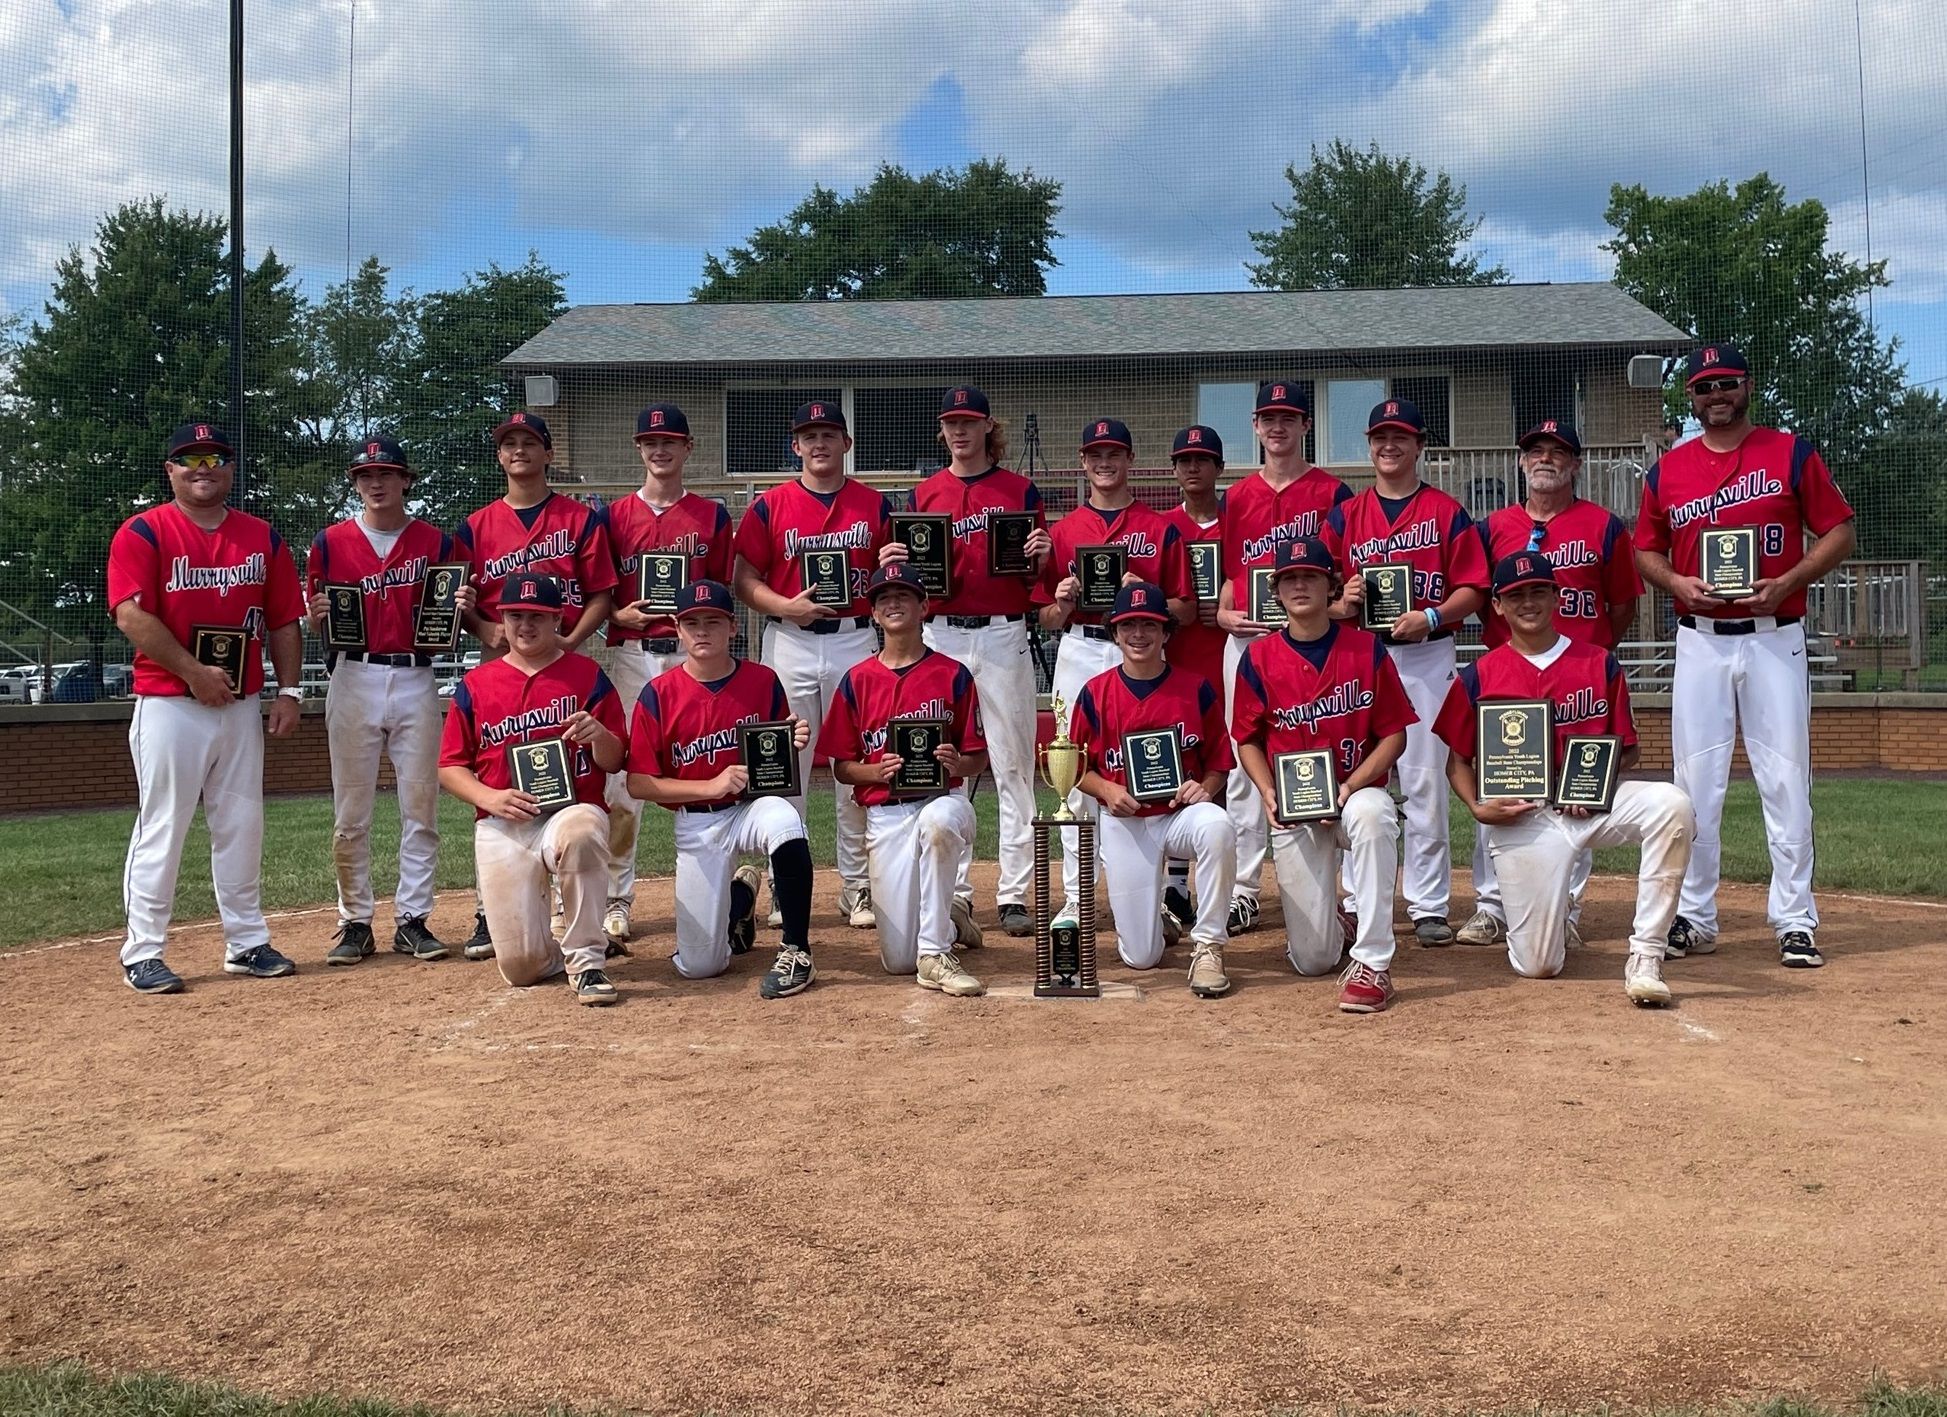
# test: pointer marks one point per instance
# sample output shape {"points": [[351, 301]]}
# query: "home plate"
{"points": [[1026, 991]]}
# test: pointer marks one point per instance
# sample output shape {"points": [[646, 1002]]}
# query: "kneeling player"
{"points": [[537, 691], [1147, 693], [914, 848], [684, 754], [1325, 684], [1534, 846]]}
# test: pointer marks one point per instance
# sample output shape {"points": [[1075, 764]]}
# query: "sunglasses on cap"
{"points": [[1537, 536], [196, 462], [1717, 386]]}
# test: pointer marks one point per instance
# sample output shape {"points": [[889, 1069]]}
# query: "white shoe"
{"points": [[776, 917], [967, 933], [615, 921], [1207, 977], [1574, 936], [855, 904], [946, 974], [1643, 982], [1485, 928]]}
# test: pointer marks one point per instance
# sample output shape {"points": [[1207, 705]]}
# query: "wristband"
{"points": [[1432, 613], [290, 693]]}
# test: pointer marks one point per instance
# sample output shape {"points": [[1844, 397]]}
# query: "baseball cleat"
{"points": [[743, 922], [1686, 939], [1433, 931], [790, 973], [152, 976], [1207, 977], [481, 944], [1244, 913], [966, 930], [1484, 928], [592, 986], [413, 938], [855, 904], [1016, 921], [776, 917], [1796, 951], [1365, 990], [1171, 927], [615, 921], [355, 942], [1643, 982], [1176, 900], [263, 962], [945, 973], [1574, 936]]}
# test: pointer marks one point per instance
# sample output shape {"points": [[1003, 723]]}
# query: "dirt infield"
{"points": [[406, 1179]]}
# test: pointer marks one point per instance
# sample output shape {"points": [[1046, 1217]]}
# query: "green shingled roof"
{"points": [[1101, 326]]}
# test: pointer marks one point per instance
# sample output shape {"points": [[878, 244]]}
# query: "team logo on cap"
{"points": [[371, 450], [1101, 430], [1710, 356], [202, 430], [702, 593], [518, 418], [1138, 599], [1195, 436], [655, 418], [1392, 410], [1277, 391], [960, 396], [817, 410], [1548, 425]]}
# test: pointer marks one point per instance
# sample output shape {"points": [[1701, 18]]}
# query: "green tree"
{"points": [[982, 230], [1364, 220], [1745, 266], [1899, 488]]}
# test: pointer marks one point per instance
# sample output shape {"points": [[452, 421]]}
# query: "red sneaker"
{"points": [[1365, 990]]}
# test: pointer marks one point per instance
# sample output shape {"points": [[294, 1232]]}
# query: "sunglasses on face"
{"points": [[196, 462], [1715, 386]]}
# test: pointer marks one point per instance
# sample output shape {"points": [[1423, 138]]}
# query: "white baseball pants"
{"points": [[369, 709], [1533, 856], [514, 861], [1487, 886], [1426, 670], [1079, 659], [1003, 672], [630, 667], [707, 847], [1241, 797], [1133, 852], [1762, 680], [810, 667], [1363, 845], [914, 850], [185, 753]]}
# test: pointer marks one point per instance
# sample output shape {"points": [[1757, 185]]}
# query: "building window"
{"points": [[757, 428], [1227, 408], [897, 429], [1348, 403], [1432, 394]]}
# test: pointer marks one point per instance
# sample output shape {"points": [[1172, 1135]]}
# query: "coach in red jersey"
{"points": [[537, 691], [662, 517], [1595, 568], [382, 699], [1324, 684], [1401, 519], [982, 622], [1741, 663], [1284, 499], [1147, 692], [196, 571], [1535, 844]]}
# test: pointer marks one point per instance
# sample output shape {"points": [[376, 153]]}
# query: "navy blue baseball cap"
{"points": [[530, 591], [1396, 413], [1562, 432], [704, 598], [810, 415], [1139, 600], [198, 436], [530, 422], [661, 420], [894, 575], [964, 401], [1282, 394], [381, 450], [1713, 361], [1197, 438], [1107, 433], [1522, 568], [1305, 553]]}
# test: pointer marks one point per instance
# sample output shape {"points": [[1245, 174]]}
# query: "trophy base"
{"points": [[1065, 991], [1070, 972]]}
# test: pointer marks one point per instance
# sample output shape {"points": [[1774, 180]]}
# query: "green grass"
{"points": [[70, 1390], [1875, 835]]}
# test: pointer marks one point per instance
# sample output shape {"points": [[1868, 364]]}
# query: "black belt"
{"points": [[1735, 627], [828, 627], [716, 806], [1386, 639], [390, 661], [660, 644], [1092, 632], [979, 622]]}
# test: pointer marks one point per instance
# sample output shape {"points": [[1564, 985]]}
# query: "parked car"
{"points": [[79, 683], [16, 683], [40, 688]]}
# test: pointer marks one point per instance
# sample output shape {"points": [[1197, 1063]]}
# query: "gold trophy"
{"points": [[1062, 761]]}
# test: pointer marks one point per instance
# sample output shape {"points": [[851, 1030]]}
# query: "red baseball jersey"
{"points": [[1349, 704], [1112, 704], [968, 500], [1259, 518], [342, 555], [497, 704], [1772, 480], [239, 576], [559, 537], [1584, 684], [1197, 648], [870, 696], [1594, 561], [686, 728], [696, 526], [1155, 551], [1433, 534], [790, 518]]}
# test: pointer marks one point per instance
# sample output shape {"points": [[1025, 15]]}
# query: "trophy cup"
{"points": [[1064, 963]]}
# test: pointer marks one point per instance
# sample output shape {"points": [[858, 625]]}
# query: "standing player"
{"points": [[915, 847], [382, 699], [809, 645], [1595, 566], [536, 691], [1319, 683], [1742, 662], [190, 564], [1400, 518], [1533, 844], [1108, 515], [533, 528], [1145, 692], [684, 754], [660, 516], [982, 622], [1285, 499]]}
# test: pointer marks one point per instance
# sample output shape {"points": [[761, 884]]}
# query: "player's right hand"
{"points": [[633, 616], [1498, 812], [1236, 622], [1068, 592], [802, 609], [891, 552], [887, 768], [1117, 799], [1354, 593], [211, 687], [315, 610], [732, 781], [510, 804], [1693, 593]]}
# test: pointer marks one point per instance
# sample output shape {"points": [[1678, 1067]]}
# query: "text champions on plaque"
{"points": [[344, 619], [1100, 570], [1589, 768], [1206, 570], [658, 576], [436, 621], [828, 576], [1307, 786], [1152, 763], [544, 770], [770, 758], [928, 539], [1388, 594], [1265, 607], [912, 741], [1007, 543], [221, 647], [1514, 750], [1728, 560]]}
